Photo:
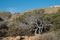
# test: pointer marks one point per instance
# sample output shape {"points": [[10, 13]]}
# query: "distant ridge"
{"points": [[55, 6]]}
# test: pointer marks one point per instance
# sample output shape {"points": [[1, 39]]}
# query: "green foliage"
{"points": [[52, 28], [54, 19]]}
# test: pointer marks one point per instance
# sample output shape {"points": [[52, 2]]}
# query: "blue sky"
{"points": [[23, 5]]}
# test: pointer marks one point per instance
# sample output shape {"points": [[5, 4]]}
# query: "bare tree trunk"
{"points": [[39, 30], [36, 31]]}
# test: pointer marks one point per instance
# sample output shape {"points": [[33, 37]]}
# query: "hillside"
{"points": [[48, 10], [44, 21]]}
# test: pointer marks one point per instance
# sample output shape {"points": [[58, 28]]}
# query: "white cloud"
{"points": [[12, 10]]}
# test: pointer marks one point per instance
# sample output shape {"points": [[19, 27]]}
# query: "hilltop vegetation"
{"points": [[38, 21]]}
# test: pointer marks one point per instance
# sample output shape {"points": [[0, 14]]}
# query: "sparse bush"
{"points": [[3, 29], [27, 23]]}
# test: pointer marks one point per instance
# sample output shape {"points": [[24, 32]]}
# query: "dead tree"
{"points": [[39, 26]]}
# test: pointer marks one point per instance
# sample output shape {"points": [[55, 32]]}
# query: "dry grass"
{"points": [[52, 10]]}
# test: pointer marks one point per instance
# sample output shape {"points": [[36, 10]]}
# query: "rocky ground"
{"points": [[45, 36]]}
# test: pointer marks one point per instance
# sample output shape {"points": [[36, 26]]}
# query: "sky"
{"points": [[24, 5]]}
